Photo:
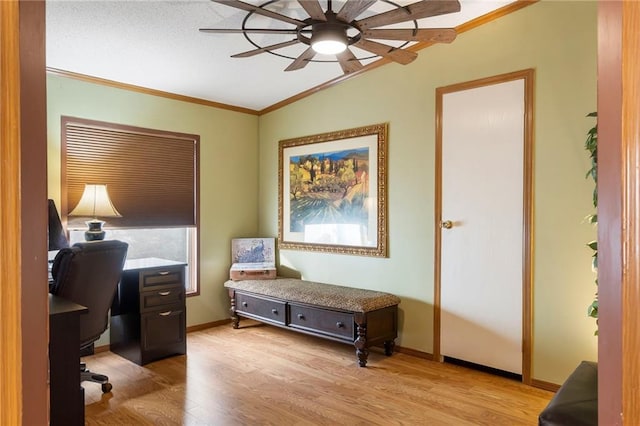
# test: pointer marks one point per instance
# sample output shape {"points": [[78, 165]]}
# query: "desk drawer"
{"points": [[163, 334], [331, 323], [161, 277], [266, 309], [161, 298]]}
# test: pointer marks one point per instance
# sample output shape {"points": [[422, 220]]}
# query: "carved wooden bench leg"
{"points": [[361, 343], [235, 319]]}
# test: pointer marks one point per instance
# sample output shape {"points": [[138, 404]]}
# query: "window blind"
{"points": [[151, 175]]}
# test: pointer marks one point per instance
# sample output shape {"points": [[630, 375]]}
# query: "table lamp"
{"points": [[95, 202]]}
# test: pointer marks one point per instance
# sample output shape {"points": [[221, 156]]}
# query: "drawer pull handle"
{"points": [[300, 317], [163, 273], [274, 311], [339, 324], [164, 293], [164, 314], [244, 304]]}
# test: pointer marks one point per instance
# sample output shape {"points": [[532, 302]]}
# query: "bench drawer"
{"points": [[264, 308], [331, 323]]}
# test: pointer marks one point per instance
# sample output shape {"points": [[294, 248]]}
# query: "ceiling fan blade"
{"points": [[265, 49], [418, 10], [348, 61], [247, 30], [302, 60], [436, 35], [353, 8], [396, 55], [260, 11], [313, 9]]}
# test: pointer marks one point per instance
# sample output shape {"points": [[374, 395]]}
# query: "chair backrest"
{"points": [[88, 274], [56, 235]]}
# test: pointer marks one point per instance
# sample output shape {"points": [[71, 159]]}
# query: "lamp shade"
{"points": [[95, 202]]}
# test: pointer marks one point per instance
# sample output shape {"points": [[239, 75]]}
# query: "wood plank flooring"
{"points": [[263, 375]]}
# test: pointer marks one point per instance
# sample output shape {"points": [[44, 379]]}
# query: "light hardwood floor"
{"points": [[263, 375]]}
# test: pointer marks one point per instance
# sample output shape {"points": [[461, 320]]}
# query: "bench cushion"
{"points": [[576, 402], [320, 294]]}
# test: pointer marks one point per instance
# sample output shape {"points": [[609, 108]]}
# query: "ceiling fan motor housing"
{"points": [[329, 37]]}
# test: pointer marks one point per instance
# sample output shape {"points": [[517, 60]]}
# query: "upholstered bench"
{"points": [[364, 318], [576, 402]]}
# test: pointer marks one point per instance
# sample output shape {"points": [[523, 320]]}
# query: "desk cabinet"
{"points": [[148, 316]]}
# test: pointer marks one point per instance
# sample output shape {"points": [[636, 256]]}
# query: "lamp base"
{"points": [[95, 232]]}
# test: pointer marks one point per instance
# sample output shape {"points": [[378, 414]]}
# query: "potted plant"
{"points": [[591, 145]]}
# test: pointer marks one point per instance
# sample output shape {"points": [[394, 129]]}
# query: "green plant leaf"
{"points": [[591, 145]]}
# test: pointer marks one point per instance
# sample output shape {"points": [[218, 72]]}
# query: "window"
{"points": [[179, 244], [152, 177]]}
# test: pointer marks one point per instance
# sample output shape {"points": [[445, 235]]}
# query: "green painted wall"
{"points": [[238, 157], [228, 170], [558, 40]]}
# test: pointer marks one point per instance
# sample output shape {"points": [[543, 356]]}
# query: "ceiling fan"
{"points": [[332, 32]]}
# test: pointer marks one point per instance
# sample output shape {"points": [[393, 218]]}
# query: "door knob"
{"points": [[447, 224]]}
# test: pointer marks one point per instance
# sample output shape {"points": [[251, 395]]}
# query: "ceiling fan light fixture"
{"points": [[328, 47], [329, 39]]}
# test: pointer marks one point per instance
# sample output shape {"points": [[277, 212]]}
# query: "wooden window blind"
{"points": [[151, 175]]}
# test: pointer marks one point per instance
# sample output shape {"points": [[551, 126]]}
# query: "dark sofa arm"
{"points": [[576, 402]]}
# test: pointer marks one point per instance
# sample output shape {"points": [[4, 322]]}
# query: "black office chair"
{"points": [[88, 274], [56, 235]]}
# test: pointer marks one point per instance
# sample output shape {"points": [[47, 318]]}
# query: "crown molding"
{"points": [[148, 91], [467, 26]]}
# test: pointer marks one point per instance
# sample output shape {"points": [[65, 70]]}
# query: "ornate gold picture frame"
{"points": [[332, 192]]}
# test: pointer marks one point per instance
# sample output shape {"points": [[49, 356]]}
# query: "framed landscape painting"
{"points": [[332, 192]]}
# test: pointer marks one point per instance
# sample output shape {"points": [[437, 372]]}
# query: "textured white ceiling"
{"points": [[156, 44]]}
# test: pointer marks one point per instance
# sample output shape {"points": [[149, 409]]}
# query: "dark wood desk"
{"points": [[66, 395]]}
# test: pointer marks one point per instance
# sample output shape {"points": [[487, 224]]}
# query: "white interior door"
{"points": [[482, 253]]}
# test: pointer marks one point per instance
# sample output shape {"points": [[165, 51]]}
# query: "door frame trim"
{"points": [[528, 75]]}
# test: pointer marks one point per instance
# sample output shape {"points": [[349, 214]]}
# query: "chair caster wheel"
{"points": [[106, 387]]}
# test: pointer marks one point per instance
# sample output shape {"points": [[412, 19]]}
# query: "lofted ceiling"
{"points": [[156, 44]]}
